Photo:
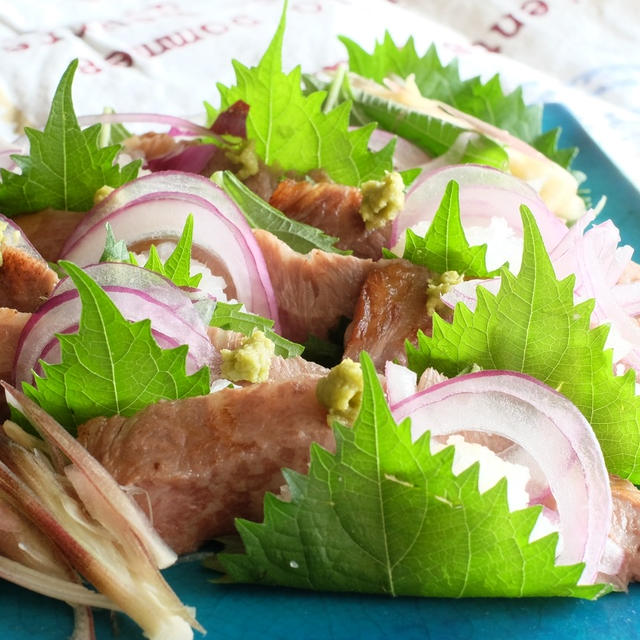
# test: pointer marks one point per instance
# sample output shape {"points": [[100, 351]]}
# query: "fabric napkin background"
{"points": [[166, 57]]}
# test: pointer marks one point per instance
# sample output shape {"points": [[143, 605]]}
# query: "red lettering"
{"points": [[151, 50], [488, 47], [307, 7], [172, 41], [88, 66], [119, 59], [19, 46], [245, 21], [214, 28], [535, 7], [179, 39], [50, 38], [511, 28]]}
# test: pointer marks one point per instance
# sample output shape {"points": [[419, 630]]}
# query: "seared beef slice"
{"points": [[391, 309], [334, 208], [203, 461], [313, 291]]}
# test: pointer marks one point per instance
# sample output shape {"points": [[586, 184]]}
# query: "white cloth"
{"points": [[166, 57]]}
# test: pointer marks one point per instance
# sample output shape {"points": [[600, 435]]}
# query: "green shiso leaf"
{"points": [[66, 165], [291, 130], [445, 247], [110, 366], [176, 268], [261, 215], [486, 101], [533, 326], [433, 135], [384, 515]]}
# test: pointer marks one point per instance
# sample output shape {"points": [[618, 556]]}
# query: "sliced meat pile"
{"points": [[48, 230], [201, 462], [313, 291], [11, 325], [334, 208], [391, 308], [625, 529], [26, 280], [280, 368]]}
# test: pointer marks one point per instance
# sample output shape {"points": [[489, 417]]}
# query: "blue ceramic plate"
{"points": [[266, 614]]}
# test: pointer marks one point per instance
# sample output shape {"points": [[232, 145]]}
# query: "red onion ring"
{"points": [[549, 428], [218, 231], [405, 156], [485, 192], [6, 161], [191, 159], [174, 319], [168, 181], [180, 125]]}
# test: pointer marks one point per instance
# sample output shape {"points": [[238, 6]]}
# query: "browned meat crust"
{"points": [[26, 281], [625, 529], [391, 308], [48, 230], [313, 291], [203, 461], [334, 208], [11, 325]]}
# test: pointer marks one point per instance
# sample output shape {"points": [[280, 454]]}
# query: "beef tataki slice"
{"points": [[313, 291], [26, 280], [200, 462], [391, 308], [49, 229], [625, 530], [334, 208], [11, 324], [280, 368]]}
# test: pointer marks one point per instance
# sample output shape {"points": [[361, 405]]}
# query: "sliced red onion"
{"points": [[180, 126], [192, 159], [627, 295], [139, 294], [598, 262], [400, 382], [158, 216], [465, 292], [549, 428], [484, 194], [405, 156], [167, 181]]}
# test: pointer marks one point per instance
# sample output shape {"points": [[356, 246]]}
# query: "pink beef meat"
{"points": [[26, 280], [334, 208], [200, 462], [391, 308], [313, 291], [49, 229], [625, 530], [11, 324]]}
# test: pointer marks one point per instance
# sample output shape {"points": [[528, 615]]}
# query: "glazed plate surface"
{"points": [[268, 614]]}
